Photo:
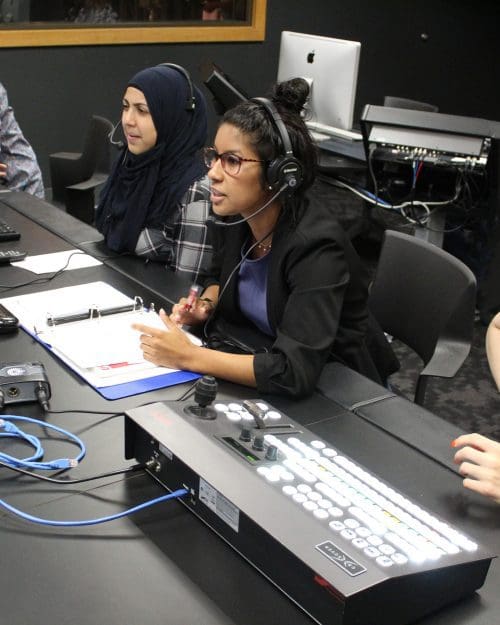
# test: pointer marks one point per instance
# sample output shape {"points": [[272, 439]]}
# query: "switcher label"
{"points": [[340, 558], [222, 507]]}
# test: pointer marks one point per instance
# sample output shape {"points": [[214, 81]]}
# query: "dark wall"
{"points": [[441, 51]]}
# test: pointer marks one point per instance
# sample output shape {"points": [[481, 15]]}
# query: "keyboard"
{"points": [[7, 232], [326, 530]]}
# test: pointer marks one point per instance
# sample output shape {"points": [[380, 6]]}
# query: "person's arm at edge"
{"points": [[478, 458], [493, 348]]}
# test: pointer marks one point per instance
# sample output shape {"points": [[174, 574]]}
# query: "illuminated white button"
{"points": [[235, 407], [320, 514], [271, 439], [314, 496], [233, 416], [272, 476], [299, 471], [287, 476], [263, 470], [289, 490], [360, 543], [335, 512], [348, 534], [246, 416], [371, 552], [221, 407], [339, 500], [387, 550], [375, 540], [310, 453], [304, 488], [310, 505], [468, 545], [405, 547], [337, 526], [352, 523], [399, 558], [329, 453], [364, 532], [299, 497], [318, 444], [384, 561], [324, 503], [273, 414]]}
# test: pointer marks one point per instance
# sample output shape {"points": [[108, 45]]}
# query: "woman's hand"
{"points": [[3, 170], [479, 460], [184, 314], [166, 348]]}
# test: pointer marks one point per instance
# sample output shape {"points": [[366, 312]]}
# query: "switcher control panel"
{"points": [[332, 535]]}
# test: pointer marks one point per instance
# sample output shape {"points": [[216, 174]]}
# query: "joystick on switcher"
{"points": [[205, 391]]}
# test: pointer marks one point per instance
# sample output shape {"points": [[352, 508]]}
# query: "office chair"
{"points": [[425, 297], [76, 175], [404, 103]]}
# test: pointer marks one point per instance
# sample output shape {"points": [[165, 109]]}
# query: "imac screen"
{"points": [[331, 68]]}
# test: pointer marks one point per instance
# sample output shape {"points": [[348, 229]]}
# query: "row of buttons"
{"points": [[236, 412], [361, 508]]}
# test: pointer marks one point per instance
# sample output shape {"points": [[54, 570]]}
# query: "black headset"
{"points": [[286, 170], [191, 101]]}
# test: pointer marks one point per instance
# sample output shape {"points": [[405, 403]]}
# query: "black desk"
{"points": [[162, 565]]}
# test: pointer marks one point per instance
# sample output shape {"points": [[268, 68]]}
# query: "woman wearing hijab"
{"points": [[157, 198]]}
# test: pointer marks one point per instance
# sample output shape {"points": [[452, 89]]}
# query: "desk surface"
{"points": [[163, 564]]}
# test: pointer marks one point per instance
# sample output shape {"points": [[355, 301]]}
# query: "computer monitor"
{"points": [[331, 68], [225, 91]]}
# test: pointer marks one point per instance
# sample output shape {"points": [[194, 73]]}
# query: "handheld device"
{"points": [[9, 256], [24, 381]]}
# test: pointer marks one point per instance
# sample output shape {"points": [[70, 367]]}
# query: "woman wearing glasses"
{"points": [[157, 198], [285, 294]]}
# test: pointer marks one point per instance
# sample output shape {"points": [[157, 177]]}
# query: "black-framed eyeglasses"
{"points": [[231, 163]]}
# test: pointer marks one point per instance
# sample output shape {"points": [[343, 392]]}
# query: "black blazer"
{"points": [[316, 302]]}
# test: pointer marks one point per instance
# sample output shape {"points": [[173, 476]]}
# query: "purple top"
{"points": [[252, 292]]}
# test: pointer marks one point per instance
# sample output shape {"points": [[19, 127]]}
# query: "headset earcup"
{"points": [[284, 171]]}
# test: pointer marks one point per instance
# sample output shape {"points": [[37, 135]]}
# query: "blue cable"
{"points": [[33, 519], [11, 430]]}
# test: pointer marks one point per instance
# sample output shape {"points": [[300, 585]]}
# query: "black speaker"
{"points": [[284, 170], [191, 100]]}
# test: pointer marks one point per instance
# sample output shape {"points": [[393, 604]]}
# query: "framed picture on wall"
{"points": [[25, 23]]}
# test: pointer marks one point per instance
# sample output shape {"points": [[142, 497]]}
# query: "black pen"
{"points": [[91, 313]]}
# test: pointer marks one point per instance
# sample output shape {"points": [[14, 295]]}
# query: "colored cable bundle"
{"points": [[33, 462], [10, 430]]}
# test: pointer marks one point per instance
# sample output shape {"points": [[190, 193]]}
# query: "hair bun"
{"points": [[291, 94]]}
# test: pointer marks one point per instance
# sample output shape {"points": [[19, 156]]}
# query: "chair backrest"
{"points": [[425, 297], [96, 154], [405, 103]]}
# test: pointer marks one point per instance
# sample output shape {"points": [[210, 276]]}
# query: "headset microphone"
{"points": [[219, 222], [119, 144]]}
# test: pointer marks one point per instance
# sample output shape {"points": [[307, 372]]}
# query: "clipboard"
{"points": [[88, 327]]}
